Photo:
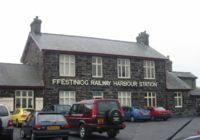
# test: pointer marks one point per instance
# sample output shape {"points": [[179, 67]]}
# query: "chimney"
{"points": [[36, 25], [143, 38], [168, 64]]}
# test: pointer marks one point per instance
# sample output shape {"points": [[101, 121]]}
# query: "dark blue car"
{"points": [[135, 113]]}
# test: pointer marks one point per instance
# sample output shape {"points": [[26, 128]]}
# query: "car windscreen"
{"points": [[104, 106], [51, 118], [64, 109], [3, 111], [28, 110]]}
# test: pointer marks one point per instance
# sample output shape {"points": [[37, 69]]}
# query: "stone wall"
{"points": [[188, 104], [84, 71]]}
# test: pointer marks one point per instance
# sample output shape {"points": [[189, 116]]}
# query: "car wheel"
{"points": [[65, 138], [114, 117], [17, 123], [111, 133], [165, 119], [22, 134], [152, 118], [132, 119], [33, 136], [10, 137], [82, 131]]}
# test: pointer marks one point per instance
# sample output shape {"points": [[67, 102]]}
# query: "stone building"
{"points": [[62, 69]]}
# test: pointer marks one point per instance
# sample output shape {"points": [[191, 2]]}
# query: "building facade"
{"points": [[63, 69]]}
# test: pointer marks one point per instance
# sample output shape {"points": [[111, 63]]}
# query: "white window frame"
{"points": [[149, 69], [97, 94], [178, 99], [95, 63], [124, 98], [67, 65], [123, 66], [151, 99], [68, 97], [26, 97]]}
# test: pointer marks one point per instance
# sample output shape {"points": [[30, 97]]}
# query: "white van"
{"points": [[6, 125]]}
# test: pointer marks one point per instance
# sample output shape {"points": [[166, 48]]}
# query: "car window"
{"points": [[88, 109], [104, 106], [50, 118], [3, 111], [74, 109], [64, 109], [28, 111]]}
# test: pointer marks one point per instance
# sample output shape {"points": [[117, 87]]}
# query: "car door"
{"points": [[72, 116], [30, 122]]}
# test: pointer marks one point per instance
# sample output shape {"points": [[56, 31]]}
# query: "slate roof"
{"points": [[184, 74], [174, 82], [47, 41], [195, 92], [19, 75]]}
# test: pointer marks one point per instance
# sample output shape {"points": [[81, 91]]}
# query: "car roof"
{"points": [[94, 100]]}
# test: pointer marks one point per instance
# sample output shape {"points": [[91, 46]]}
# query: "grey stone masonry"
{"points": [[83, 68]]}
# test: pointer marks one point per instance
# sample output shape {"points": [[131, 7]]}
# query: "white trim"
{"points": [[151, 99], [178, 100], [24, 94], [124, 98], [67, 65], [96, 64], [100, 96], [68, 97], [149, 69], [123, 66]]}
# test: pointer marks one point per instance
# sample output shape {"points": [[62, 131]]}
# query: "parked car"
{"points": [[63, 109], [159, 113], [135, 113], [96, 115], [20, 114], [45, 125], [6, 125]]}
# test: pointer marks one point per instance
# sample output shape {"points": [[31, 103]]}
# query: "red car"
{"points": [[97, 115], [159, 113]]}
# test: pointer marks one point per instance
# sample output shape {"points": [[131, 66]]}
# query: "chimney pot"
{"points": [[36, 25], [143, 38]]}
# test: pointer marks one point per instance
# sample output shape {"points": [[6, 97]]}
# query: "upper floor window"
{"points": [[149, 69], [67, 65], [123, 66], [151, 99], [24, 99], [178, 100], [97, 67]]}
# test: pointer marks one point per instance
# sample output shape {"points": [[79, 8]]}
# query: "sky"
{"points": [[173, 25]]}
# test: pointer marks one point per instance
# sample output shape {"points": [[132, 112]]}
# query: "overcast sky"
{"points": [[173, 25]]}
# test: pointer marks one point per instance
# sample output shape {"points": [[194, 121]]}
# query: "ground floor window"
{"points": [[24, 99], [178, 99], [151, 99], [97, 94], [67, 97], [124, 98]]}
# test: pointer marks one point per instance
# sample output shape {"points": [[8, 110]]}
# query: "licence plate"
{"points": [[53, 127]]}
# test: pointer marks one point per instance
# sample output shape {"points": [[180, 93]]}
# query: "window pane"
{"points": [[99, 70], [94, 70], [17, 93], [24, 93], [30, 103], [18, 103], [23, 103]]}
